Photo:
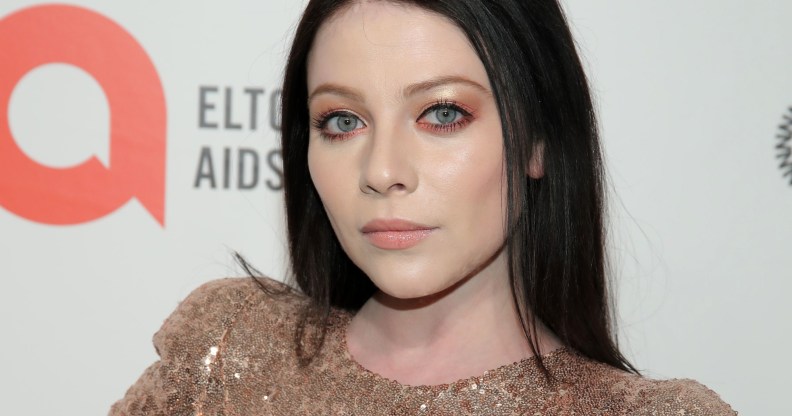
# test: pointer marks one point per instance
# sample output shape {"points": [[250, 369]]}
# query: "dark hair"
{"points": [[555, 232]]}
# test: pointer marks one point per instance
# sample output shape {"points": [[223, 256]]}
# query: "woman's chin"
{"points": [[413, 291]]}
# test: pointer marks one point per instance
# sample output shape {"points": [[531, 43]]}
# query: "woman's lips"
{"points": [[395, 234]]}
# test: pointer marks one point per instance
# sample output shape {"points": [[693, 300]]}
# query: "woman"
{"points": [[444, 201]]}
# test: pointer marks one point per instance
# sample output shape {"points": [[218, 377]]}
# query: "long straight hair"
{"points": [[555, 237]]}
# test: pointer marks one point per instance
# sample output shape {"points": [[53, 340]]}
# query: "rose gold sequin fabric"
{"points": [[228, 350]]}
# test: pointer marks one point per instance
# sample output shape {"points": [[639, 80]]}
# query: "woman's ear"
{"points": [[536, 164]]}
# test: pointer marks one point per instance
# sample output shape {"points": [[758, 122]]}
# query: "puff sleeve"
{"points": [[685, 397], [184, 381]]}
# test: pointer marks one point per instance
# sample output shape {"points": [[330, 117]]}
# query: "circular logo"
{"points": [[39, 35]]}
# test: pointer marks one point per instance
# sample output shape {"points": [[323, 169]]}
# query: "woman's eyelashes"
{"points": [[443, 117], [337, 125]]}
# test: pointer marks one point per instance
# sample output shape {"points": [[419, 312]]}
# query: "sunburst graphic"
{"points": [[784, 145]]}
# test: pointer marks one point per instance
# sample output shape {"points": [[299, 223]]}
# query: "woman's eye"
{"points": [[342, 123], [337, 125], [443, 115]]}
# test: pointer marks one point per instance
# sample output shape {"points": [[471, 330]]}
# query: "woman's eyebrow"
{"points": [[410, 90], [336, 89], [441, 82]]}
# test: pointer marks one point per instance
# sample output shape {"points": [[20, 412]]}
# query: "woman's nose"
{"points": [[388, 166]]}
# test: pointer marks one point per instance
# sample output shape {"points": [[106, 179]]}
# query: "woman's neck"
{"points": [[456, 334]]}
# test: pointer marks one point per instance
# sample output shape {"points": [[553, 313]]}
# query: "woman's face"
{"points": [[406, 150]]}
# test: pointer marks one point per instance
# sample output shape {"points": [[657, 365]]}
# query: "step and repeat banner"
{"points": [[139, 149]]}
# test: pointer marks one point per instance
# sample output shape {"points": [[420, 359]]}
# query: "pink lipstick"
{"points": [[395, 234]]}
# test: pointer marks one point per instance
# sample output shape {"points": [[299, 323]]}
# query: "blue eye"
{"points": [[445, 117], [342, 123], [337, 125], [443, 114]]}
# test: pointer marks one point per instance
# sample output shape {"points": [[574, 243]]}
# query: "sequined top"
{"points": [[228, 349]]}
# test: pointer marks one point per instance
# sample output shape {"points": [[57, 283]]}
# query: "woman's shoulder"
{"points": [[199, 340], [640, 395], [682, 396], [229, 293], [214, 307]]}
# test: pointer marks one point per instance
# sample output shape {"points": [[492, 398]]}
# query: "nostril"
{"points": [[373, 189]]}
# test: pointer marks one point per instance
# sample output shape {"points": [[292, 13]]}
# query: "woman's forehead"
{"points": [[388, 46]]}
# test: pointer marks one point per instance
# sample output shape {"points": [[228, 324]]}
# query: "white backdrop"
{"points": [[690, 94]]}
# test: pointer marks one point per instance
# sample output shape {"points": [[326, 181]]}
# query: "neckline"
{"points": [[523, 366]]}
